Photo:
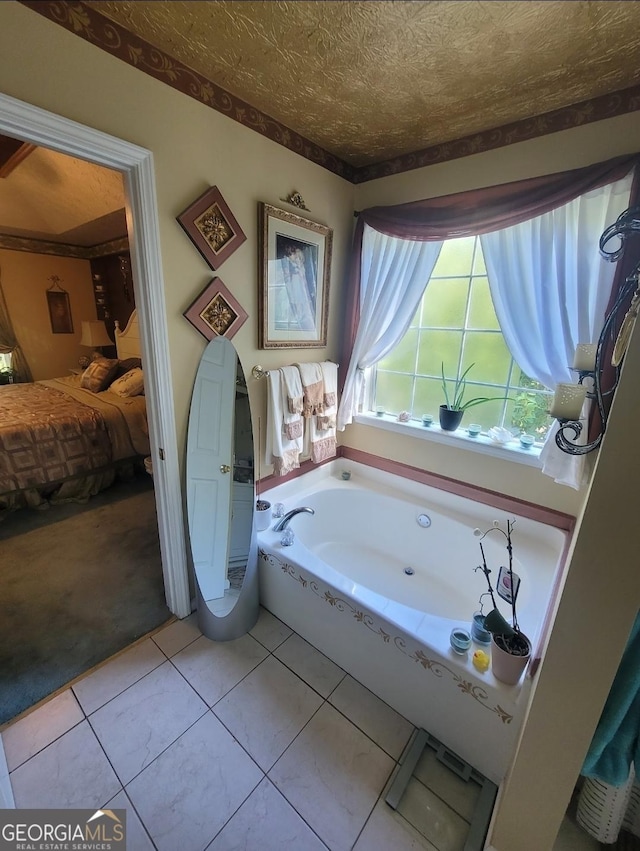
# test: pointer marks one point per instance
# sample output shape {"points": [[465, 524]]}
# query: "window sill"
{"points": [[459, 439]]}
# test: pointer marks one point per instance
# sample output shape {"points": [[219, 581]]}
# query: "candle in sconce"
{"points": [[568, 401], [585, 357]]}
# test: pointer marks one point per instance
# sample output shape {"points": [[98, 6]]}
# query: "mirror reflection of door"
{"points": [[220, 491], [209, 466]]}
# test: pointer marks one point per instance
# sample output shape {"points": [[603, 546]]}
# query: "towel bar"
{"points": [[258, 372]]}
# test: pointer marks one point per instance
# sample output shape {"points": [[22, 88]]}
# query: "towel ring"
{"points": [[258, 372]]}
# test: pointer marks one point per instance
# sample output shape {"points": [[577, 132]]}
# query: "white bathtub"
{"points": [[342, 585]]}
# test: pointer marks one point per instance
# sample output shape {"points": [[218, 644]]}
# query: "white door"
{"points": [[210, 466]]}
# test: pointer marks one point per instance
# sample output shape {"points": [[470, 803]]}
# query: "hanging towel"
{"points": [[313, 388], [293, 385], [283, 453], [291, 402], [615, 742], [322, 427]]}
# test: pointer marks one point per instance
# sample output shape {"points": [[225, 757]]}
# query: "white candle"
{"points": [[585, 356], [568, 401]]}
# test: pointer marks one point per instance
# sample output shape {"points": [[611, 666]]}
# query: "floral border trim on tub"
{"points": [[367, 620]]}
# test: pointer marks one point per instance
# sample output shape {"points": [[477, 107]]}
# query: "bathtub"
{"points": [[379, 576]]}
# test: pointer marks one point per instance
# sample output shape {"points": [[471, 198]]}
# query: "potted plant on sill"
{"points": [[452, 411], [510, 647]]}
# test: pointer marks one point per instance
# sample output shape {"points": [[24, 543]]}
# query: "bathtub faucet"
{"points": [[284, 521]]}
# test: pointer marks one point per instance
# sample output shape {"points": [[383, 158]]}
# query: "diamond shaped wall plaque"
{"points": [[216, 313], [212, 227]]}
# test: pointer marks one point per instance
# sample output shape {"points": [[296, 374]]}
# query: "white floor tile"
{"points": [[433, 818], [109, 680], [332, 774], [387, 831], [270, 631], [214, 667], [188, 793], [374, 717], [140, 723], [266, 822], [175, 637], [137, 837], [39, 728], [307, 662], [267, 710], [72, 772]]}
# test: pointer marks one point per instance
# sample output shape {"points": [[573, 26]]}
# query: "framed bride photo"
{"points": [[294, 274]]}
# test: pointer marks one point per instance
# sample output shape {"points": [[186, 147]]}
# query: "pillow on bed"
{"points": [[99, 374], [125, 365], [129, 384]]}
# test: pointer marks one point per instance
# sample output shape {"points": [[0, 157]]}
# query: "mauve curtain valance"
{"points": [[474, 212]]}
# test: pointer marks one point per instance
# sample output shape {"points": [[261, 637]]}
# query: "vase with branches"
{"points": [[507, 638]]}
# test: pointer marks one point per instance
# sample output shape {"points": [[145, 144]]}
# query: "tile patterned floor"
{"points": [[256, 744]]}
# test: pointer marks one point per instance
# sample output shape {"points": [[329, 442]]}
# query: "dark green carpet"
{"points": [[77, 584]]}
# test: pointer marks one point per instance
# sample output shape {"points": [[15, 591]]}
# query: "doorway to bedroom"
{"points": [[110, 542]]}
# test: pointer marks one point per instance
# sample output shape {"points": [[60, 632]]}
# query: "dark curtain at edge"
{"points": [[9, 344], [469, 213]]}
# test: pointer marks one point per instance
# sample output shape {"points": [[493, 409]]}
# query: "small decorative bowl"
{"points": [[527, 441], [474, 429], [427, 420], [460, 640]]}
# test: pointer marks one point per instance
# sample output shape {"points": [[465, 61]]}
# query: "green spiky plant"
{"points": [[456, 401]]}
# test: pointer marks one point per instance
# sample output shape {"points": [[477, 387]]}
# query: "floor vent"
{"points": [[441, 796]]}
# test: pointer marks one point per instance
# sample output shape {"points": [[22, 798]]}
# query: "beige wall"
{"points": [[195, 147], [25, 280]]}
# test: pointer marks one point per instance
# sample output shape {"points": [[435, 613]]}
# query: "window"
{"points": [[5, 361], [456, 325]]}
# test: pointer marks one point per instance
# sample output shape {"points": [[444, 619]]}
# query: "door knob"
{"points": [[224, 468]]}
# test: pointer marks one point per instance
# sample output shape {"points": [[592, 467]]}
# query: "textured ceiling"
{"points": [[58, 198], [369, 81]]}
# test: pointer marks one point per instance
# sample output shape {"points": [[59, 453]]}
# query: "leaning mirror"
{"points": [[220, 495]]}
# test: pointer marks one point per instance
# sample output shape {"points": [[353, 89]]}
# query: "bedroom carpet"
{"points": [[77, 584]]}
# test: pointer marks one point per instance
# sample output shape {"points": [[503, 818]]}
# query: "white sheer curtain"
{"points": [[394, 274], [550, 289]]}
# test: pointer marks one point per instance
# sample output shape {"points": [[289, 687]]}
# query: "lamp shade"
{"points": [[94, 333]]}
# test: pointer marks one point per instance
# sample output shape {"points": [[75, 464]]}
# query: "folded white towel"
{"points": [[282, 452], [293, 384], [313, 387], [323, 425]]}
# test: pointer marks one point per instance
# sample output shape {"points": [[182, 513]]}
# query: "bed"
{"points": [[66, 439]]}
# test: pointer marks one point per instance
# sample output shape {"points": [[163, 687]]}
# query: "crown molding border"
{"points": [[80, 252], [95, 28]]}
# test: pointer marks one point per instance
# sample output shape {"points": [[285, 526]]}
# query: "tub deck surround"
{"points": [[342, 586]]}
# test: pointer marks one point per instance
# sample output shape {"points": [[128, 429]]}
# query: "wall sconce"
{"points": [[588, 359], [94, 336]]}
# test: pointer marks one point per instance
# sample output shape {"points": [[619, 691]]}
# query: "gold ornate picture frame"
{"points": [[216, 312], [294, 276], [212, 227]]}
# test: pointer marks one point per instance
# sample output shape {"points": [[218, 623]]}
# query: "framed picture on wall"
{"points": [[59, 311], [294, 274]]}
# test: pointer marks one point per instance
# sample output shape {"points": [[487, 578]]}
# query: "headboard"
{"points": [[128, 341]]}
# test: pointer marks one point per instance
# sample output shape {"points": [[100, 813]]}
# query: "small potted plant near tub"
{"points": [[452, 411], [510, 647]]}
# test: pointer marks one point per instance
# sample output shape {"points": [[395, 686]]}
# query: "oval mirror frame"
{"points": [[220, 488]]}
